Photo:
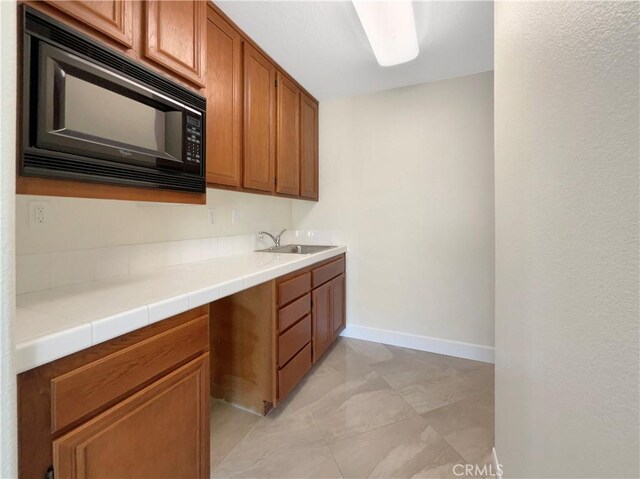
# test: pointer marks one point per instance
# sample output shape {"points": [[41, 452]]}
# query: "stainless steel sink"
{"points": [[296, 249]]}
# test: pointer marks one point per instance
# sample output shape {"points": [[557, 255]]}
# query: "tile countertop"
{"points": [[55, 323]]}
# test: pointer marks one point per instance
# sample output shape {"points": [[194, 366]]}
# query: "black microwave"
{"points": [[92, 114]]}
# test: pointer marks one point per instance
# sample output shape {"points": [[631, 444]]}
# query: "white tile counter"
{"points": [[57, 322]]}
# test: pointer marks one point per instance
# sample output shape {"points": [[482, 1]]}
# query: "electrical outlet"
{"points": [[212, 215], [37, 214], [235, 216]]}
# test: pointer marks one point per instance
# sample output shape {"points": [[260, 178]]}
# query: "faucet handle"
{"points": [[280, 234]]}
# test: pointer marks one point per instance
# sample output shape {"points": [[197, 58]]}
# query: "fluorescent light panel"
{"points": [[391, 29]]}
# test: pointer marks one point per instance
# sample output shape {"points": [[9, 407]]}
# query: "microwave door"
{"points": [[92, 111]]}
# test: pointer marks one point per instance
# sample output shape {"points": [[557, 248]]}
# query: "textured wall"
{"points": [[7, 238], [567, 139], [406, 181]]}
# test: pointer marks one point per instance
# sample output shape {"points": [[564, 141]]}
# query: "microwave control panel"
{"points": [[193, 143]]}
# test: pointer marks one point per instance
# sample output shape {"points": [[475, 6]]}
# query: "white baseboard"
{"points": [[458, 349]]}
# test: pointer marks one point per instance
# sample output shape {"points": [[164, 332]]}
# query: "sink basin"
{"points": [[296, 249]]}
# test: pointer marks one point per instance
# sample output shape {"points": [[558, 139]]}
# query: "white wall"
{"points": [[73, 223], [8, 445], [406, 181], [567, 150]]}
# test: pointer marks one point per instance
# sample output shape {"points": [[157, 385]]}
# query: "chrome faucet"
{"points": [[276, 238]]}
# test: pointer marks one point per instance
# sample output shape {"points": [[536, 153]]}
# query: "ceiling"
{"points": [[322, 43]]}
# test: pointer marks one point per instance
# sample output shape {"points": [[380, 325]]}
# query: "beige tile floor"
{"points": [[366, 410]]}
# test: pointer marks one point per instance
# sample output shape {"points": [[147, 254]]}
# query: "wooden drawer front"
{"points": [[293, 340], [293, 288], [292, 313], [293, 372], [326, 272], [161, 431], [86, 389]]}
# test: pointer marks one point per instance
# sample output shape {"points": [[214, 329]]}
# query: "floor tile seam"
{"points": [[463, 456], [353, 436], [224, 459]]}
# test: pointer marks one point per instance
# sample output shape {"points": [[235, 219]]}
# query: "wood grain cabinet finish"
{"points": [[293, 312], [164, 36], [308, 147], [265, 339], [259, 121], [324, 273], [134, 406], [275, 126], [84, 390], [338, 303], [321, 313], [293, 288], [290, 375], [114, 18], [293, 340], [159, 432], [224, 101], [288, 137], [176, 36]]}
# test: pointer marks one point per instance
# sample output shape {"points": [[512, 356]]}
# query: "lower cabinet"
{"points": [[134, 406], [158, 432], [265, 339], [328, 314], [338, 303], [322, 309]]}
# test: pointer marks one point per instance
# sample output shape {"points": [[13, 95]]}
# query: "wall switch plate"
{"points": [[37, 214], [235, 216], [212, 215]]}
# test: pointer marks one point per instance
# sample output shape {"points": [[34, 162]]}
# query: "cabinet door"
{"points": [[288, 137], [224, 101], [176, 36], [161, 432], [259, 121], [321, 316], [338, 289], [111, 17], [308, 148]]}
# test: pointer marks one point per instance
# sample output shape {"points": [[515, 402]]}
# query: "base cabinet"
{"points": [[158, 432], [321, 314], [338, 303], [265, 339], [134, 406]]}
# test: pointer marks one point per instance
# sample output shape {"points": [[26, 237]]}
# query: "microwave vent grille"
{"points": [[96, 171], [49, 30]]}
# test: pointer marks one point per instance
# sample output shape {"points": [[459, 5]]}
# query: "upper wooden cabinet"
{"points": [[259, 120], [176, 36], [308, 148], [266, 142], [224, 102], [111, 17], [167, 36], [288, 137]]}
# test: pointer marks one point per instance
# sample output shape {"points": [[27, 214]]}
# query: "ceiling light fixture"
{"points": [[391, 29]]}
